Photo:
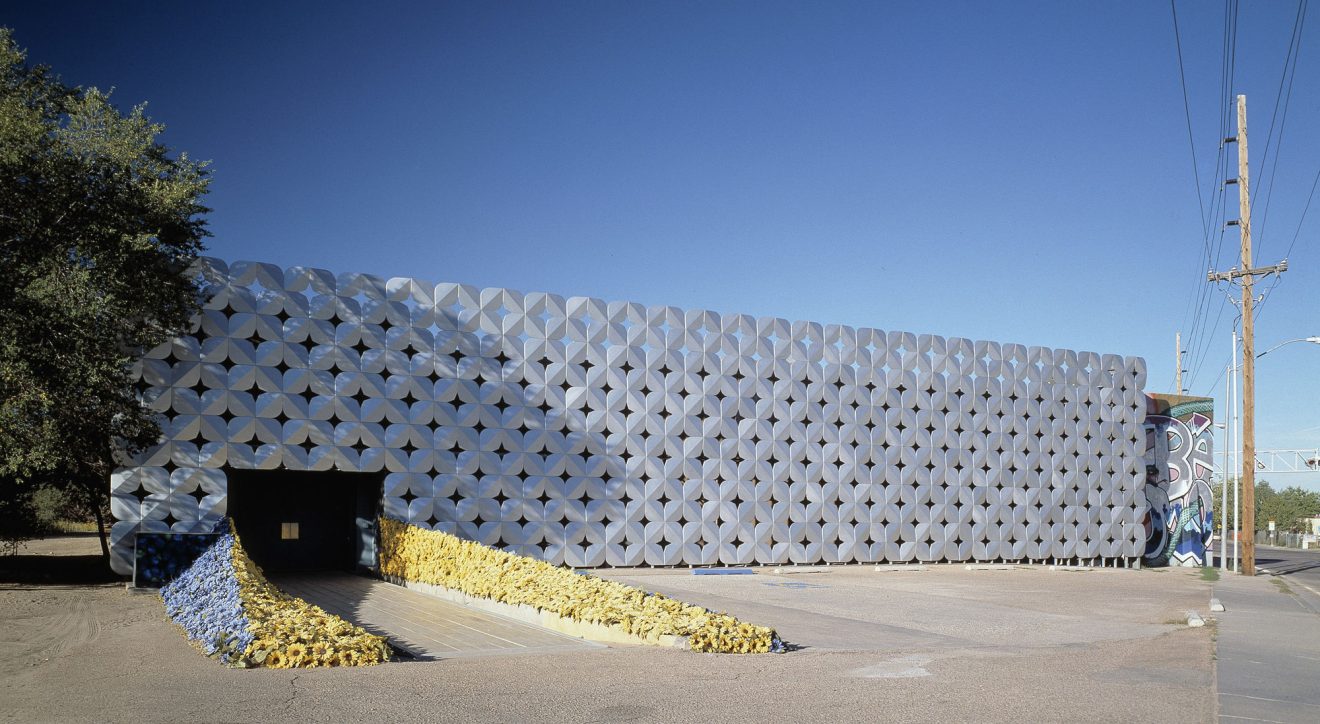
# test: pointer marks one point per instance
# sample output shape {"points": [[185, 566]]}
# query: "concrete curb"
{"points": [[1216, 606], [598, 632], [1194, 619], [795, 571], [891, 568], [1073, 569], [989, 567]]}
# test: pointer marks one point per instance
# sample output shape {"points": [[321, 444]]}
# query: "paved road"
{"points": [[945, 644], [423, 625], [1295, 566], [1301, 569], [1268, 640]]}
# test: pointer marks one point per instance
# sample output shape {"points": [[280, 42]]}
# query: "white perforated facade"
{"points": [[599, 433]]}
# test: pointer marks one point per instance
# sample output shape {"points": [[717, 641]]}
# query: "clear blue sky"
{"points": [[1016, 172]]}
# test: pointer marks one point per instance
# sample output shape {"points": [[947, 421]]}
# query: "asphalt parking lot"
{"points": [[947, 643]]}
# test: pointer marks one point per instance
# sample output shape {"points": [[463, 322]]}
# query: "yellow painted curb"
{"points": [[599, 632]]}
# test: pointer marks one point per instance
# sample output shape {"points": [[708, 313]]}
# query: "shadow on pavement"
{"points": [[63, 560], [1282, 567]]}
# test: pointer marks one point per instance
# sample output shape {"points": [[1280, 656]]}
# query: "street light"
{"points": [[1312, 340], [1223, 496], [1243, 452]]}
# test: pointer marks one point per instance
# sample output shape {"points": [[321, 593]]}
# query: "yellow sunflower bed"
{"points": [[228, 609], [426, 556], [288, 632]]}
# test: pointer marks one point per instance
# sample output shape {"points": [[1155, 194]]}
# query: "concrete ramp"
{"points": [[423, 625]]}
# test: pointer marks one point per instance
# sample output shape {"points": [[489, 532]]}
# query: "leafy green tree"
{"points": [[1287, 508], [98, 226]]}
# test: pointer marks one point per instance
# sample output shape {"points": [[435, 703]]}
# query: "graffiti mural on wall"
{"points": [[1179, 434]]}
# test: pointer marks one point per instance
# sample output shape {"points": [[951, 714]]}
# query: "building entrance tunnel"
{"points": [[306, 521]]}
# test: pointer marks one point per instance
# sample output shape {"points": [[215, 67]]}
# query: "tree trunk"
{"points": [[100, 495], [100, 527]]}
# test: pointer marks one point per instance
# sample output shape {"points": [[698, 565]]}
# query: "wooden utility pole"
{"points": [[1248, 350], [1177, 358], [1246, 274]]}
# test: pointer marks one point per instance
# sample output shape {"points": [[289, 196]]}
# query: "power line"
{"points": [[1202, 343], [1205, 345], [1198, 338], [1289, 74], [1223, 368], [1298, 24], [1310, 197], [1279, 279], [1187, 114]]}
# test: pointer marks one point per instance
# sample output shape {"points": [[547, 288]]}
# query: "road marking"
{"points": [[1265, 698], [1303, 585], [1291, 581], [906, 667]]}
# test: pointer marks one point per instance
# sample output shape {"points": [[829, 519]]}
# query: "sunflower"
{"points": [[275, 660], [296, 654], [347, 657]]}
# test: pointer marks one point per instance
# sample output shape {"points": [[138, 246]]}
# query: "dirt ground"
{"points": [[946, 643], [63, 560]]}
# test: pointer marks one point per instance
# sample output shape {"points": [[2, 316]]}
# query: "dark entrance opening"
{"points": [[306, 521]]}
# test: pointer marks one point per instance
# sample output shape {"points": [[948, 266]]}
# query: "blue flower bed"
{"points": [[159, 557], [205, 600]]}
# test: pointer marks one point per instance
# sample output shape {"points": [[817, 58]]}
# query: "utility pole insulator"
{"points": [[1232, 222], [1231, 139], [1178, 359], [1231, 181]]}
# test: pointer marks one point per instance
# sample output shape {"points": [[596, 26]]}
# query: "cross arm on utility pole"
{"points": [[1235, 273], [1245, 275]]}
